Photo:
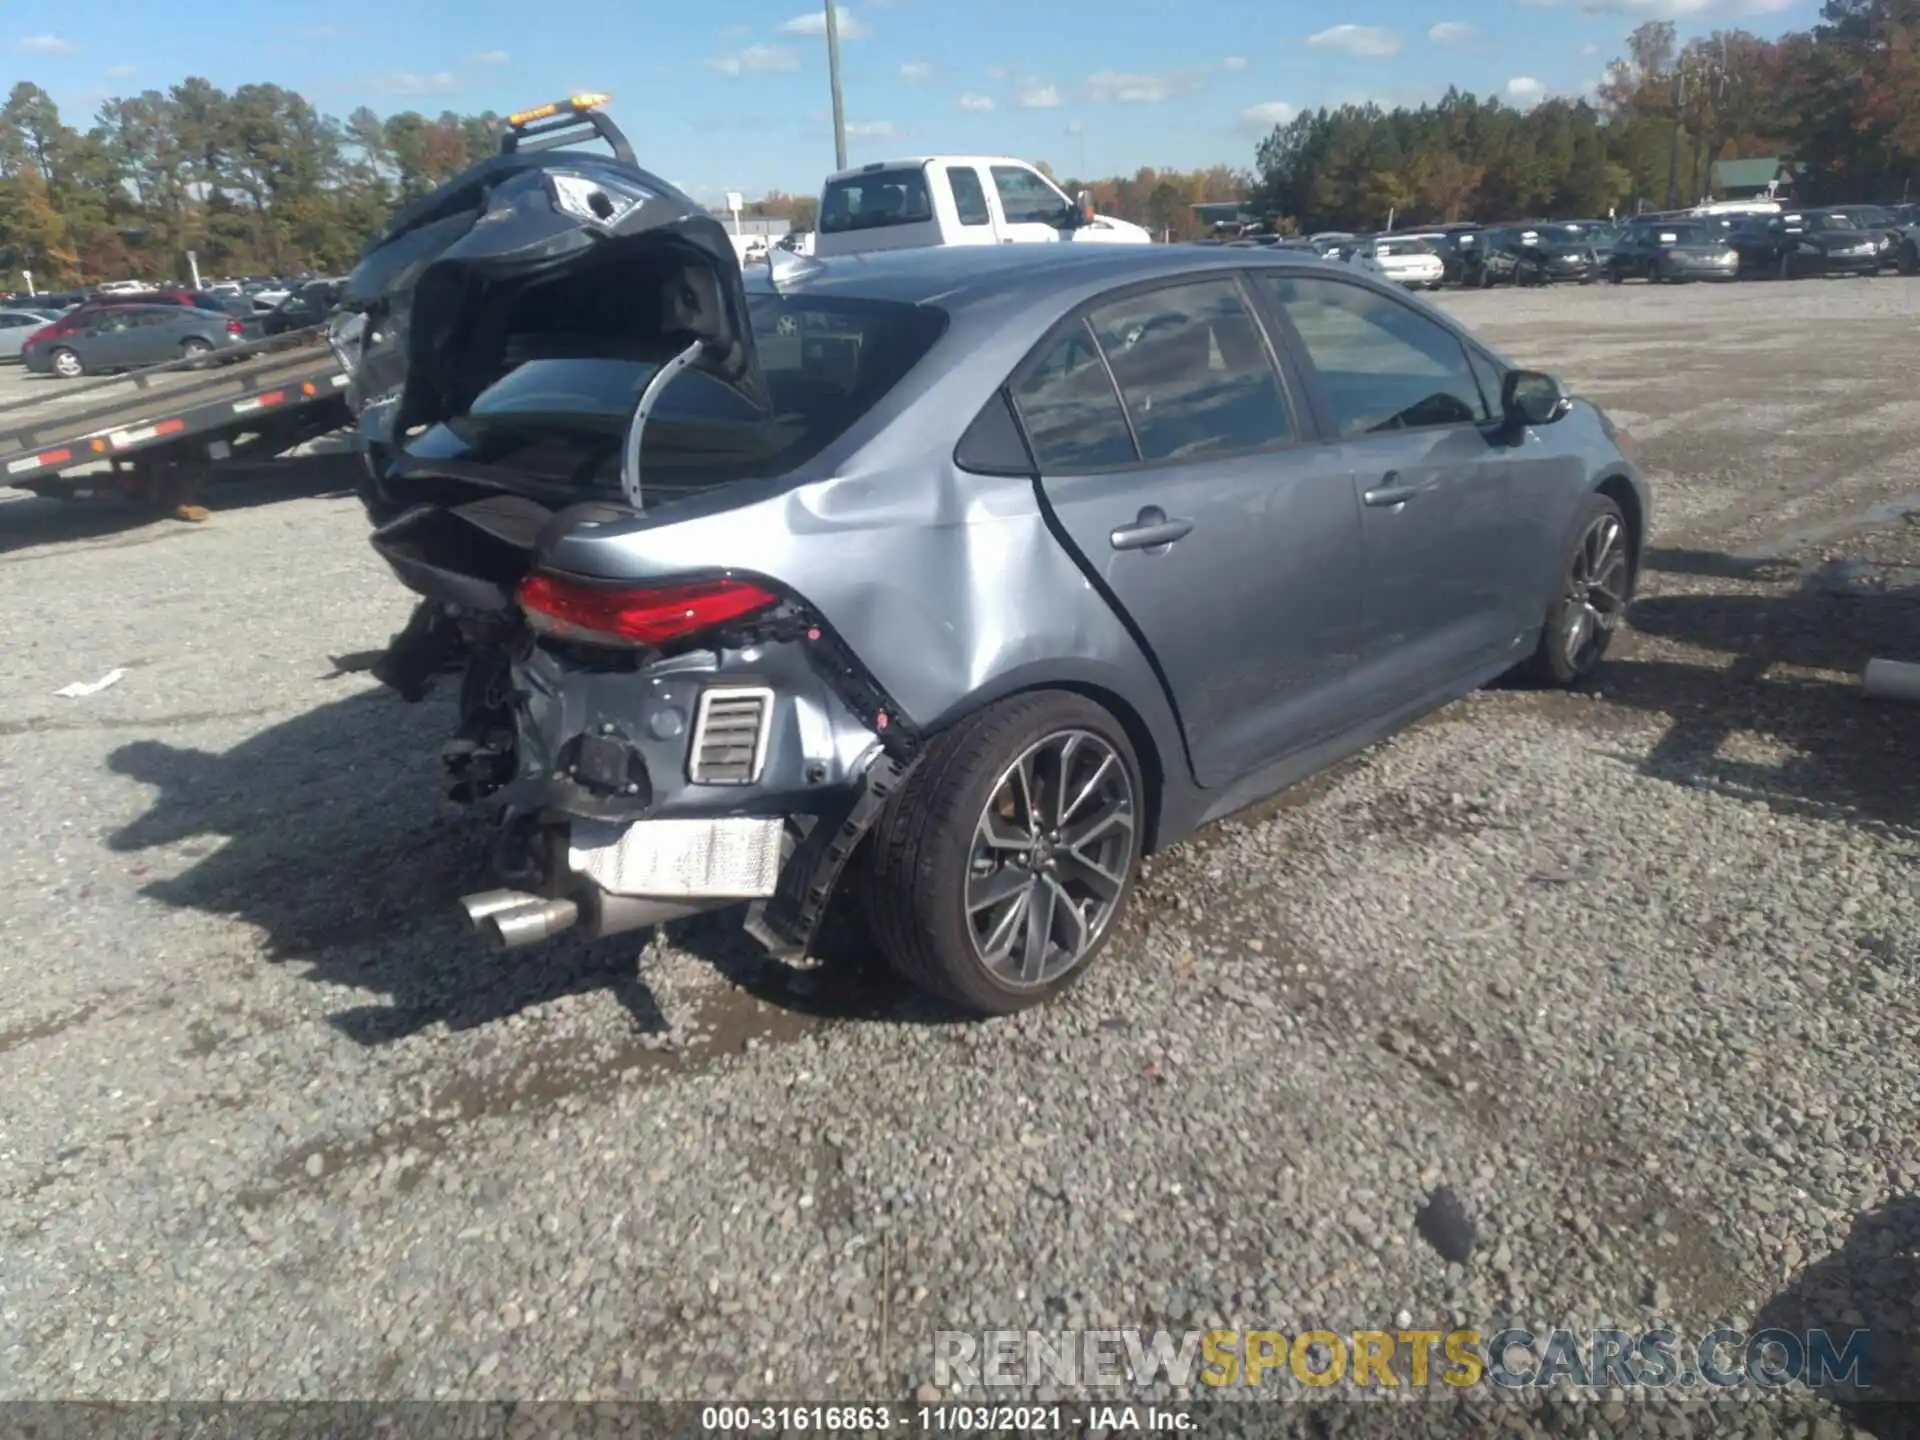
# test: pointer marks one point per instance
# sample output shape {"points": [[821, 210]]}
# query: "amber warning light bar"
{"points": [[573, 105]]}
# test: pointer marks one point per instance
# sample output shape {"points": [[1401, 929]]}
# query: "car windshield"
{"points": [[827, 362], [876, 201], [1687, 235], [1403, 247]]}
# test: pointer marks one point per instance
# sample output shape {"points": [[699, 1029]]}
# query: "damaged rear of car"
{"points": [[556, 351]]}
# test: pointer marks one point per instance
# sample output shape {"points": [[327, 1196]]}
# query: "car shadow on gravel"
{"points": [[1760, 722], [1870, 1284], [323, 832]]}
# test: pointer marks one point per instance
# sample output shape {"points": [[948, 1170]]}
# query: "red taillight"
{"points": [[234, 327], [640, 615]]}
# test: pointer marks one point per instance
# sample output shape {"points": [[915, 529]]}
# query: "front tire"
{"points": [[1003, 863], [1908, 261], [1595, 586], [68, 365]]}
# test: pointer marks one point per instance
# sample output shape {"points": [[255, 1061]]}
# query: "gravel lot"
{"points": [[1632, 973]]}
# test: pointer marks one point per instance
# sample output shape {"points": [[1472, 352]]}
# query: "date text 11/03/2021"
{"points": [[954, 1419]]}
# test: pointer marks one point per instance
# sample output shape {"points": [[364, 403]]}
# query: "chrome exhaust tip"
{"points": [[494, 902], [529, 923]]}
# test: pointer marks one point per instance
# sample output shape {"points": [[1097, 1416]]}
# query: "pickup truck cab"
{"points": [[955, 200]]}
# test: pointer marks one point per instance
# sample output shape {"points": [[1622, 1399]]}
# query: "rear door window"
{"points": [[876, 201], [969, 195], [1193, 371], [1072, 415]]}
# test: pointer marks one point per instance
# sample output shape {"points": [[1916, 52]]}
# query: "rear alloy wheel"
{"points": [[194, 348], [1596, 582], [1001, 865], [67, 365]]}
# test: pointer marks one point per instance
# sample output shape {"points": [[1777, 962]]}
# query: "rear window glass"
{"points": [[827, 362], [876, 201]]}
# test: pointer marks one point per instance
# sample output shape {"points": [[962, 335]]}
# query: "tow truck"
{"points": [[156, 434]]}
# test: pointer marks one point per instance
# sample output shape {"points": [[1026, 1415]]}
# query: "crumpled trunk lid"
{"points": [[552, 254]]}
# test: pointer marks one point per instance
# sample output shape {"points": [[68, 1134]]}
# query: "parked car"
{"points": [[199, 299], [16, 325], [1879, 222], [127, 337], [1231, 514], [1455, 246], [1410, 261], [1799, 243], [307, 306], [1536, 253], [938, 200], [1677, 252]]}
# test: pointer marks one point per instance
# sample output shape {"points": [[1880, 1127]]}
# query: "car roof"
{"points": [[914, 162], [956, 276]]}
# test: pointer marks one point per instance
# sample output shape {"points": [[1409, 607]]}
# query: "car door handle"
{"points": [[1390, 492], [1152, 528]]}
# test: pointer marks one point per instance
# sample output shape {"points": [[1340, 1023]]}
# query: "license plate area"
{"points": [[728, 859]]}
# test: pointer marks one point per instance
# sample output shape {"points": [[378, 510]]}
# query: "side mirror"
{"points": [[1083, 209], [1528, 397]]}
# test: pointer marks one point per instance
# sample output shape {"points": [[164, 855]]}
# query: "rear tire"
{"points": [[67, 365], [194, 348], [1595, 585], [959, 895], [1908, 261]]}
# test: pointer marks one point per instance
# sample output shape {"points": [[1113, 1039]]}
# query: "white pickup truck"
{"points": [[955, 200]]}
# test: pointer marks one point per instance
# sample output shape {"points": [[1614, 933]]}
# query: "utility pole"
{"points": [[833, 79], [1673, 152]]}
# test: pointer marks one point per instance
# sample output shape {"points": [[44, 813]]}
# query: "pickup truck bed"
{"points": [[174, 417]]}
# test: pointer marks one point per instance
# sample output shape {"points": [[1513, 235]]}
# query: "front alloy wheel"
{"points": [[1596, 586], [1596, 592], [1002, 863]]}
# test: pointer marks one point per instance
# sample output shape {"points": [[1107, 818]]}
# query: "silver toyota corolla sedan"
{"points": [[1005, 566]]}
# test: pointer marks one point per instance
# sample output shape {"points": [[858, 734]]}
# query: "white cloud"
{"points": [[121, 72], [1589, 51], [47, 45], [976, 102], [1450, 32], [1370, 42], [1259, 119], [1034, 96], [1525, 91], [1234, 62], [871, 130], [814, 22], [405, 82], [757, 60], [1638, 10], [492, 57], [916, 72], [1114, 87]]}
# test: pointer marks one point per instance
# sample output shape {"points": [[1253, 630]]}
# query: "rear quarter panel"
{"points": [[949, 586]]}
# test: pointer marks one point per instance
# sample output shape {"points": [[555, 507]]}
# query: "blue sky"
{"points": [[734, 95]]}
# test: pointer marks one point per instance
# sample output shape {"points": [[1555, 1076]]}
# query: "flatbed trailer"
{"points": [[156, 434]]}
